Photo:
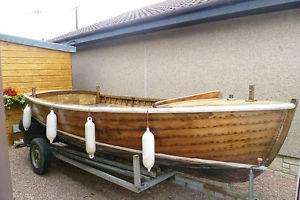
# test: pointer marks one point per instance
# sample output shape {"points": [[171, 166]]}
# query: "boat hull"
{"points": [[221, 144], [239, 137], [218, 171]]}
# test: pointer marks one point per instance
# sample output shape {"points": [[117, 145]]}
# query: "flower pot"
{"points": [[12, 117]]}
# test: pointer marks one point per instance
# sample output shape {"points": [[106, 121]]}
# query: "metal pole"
{"points": [[76, 13], [251, 183], [5, 183], [97, 172], [103, 160], [297, 196], [136, 171]]}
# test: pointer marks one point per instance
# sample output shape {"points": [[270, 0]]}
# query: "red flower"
{"points": [[10, 92], [6, 91]]}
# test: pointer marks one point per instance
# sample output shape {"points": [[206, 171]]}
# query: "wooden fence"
{"points": [[24, 67]]}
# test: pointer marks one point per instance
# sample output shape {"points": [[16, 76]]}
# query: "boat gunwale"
{"points": [[158, 110]]}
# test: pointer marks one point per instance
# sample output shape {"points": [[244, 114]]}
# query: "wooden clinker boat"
{"points": [[198, 134]]}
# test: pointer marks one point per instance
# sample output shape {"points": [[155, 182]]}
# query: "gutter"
{"points": [[239, 9]]}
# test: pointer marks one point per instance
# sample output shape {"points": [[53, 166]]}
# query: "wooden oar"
{"points": [[207, 95]]}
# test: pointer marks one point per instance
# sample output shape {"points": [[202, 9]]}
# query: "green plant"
{"points": [[13, 98]]}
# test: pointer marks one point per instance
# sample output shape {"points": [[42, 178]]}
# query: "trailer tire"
{"points": [[36, 130], [29, 137], [40, 156]]}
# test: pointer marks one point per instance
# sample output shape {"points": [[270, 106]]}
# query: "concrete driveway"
{"points": [[68, 182]]}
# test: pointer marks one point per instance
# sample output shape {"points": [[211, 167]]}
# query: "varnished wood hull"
{"points": [[187, 138]]}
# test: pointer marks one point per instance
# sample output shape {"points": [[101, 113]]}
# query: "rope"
{"points": [[89, 110], [147, 118]]}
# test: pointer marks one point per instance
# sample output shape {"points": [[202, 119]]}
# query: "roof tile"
{"points": [[158, 10]]}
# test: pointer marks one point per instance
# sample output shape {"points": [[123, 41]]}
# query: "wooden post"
{"points": [[98, 94], [251, 93], [33, 91], [5, 183]]}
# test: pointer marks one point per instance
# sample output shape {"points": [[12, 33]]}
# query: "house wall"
{"points": [[25, 67], [226, 55], [6, 191]]}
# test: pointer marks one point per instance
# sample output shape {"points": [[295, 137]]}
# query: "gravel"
{"points": [[68, 182]]}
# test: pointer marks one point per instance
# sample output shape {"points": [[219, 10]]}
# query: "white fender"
{"points": [[90, 142], [51, 126], [148, 146], [27, 117]]}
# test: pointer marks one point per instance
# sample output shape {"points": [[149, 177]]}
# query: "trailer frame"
{"points": [[99, 167]]}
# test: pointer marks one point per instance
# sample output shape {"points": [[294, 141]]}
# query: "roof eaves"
{"points": [[37, 43], [242, 8], [210, 4]]}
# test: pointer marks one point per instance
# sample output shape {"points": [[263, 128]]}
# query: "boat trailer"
{"points": [[133, 176]]}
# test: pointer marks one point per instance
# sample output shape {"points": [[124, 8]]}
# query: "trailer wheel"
{"points": [[36, 130], [29, 137], [40, 155]]}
